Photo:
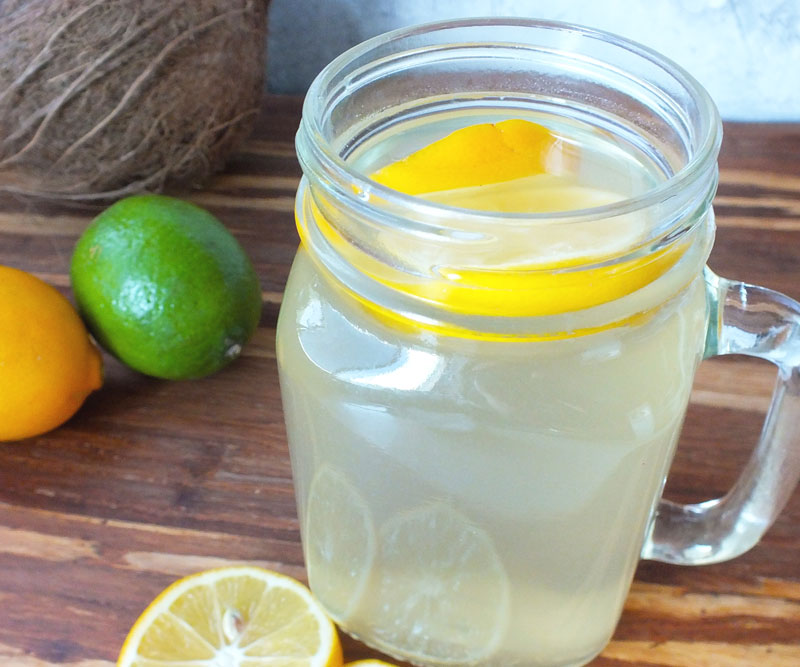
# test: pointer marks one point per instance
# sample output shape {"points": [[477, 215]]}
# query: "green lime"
{"points": [[165, 287]]}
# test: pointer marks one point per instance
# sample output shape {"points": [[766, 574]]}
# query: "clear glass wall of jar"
{"points": [[480, 437]]}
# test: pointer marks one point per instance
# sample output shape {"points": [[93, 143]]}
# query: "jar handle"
{"points": [[761, 323]]}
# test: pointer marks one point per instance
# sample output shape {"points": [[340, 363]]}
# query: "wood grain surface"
{"points": [[152, 479]]}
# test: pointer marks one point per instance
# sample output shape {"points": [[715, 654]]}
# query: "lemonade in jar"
{"points": [[490, 332]]}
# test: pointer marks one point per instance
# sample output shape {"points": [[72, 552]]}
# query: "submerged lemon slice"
{"points": [[441, 593], [340, 543], [235, 616]]}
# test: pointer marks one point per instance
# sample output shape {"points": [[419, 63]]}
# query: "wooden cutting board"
{"points": [[152, 479]]}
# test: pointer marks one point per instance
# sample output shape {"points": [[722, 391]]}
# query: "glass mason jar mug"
{"points": [[482, 401]]}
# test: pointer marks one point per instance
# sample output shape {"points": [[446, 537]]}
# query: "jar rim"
{"points": [[700, 161]]}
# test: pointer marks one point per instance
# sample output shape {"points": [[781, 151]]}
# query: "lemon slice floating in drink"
{"points": [[472, 156], [441, 593], [522, 266], [235, 616], [340, 543]]}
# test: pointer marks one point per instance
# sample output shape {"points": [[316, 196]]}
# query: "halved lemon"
{"points": [[240, 616], [441, 594], [340, 543]]}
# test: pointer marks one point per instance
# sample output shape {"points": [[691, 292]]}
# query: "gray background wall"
{"points": [[745, 52]]}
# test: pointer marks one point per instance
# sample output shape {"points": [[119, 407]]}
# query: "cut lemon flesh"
{"points": [[442, 594], [338, 559], [233, 617]]}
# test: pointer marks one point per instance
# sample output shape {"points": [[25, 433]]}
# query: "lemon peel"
{"points": [[471, 156]]}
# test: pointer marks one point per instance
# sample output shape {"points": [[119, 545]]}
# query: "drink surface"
{"points": [[467, 500], [523, 167]]}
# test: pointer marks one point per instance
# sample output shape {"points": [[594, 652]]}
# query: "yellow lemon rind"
{"points": [[471, 156], [48, 362], [544, 291]]}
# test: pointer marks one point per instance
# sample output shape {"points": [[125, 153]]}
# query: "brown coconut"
{"points": [[103, 98]]}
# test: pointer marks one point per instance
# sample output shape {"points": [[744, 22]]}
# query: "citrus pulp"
{"points": [[238, 616]]}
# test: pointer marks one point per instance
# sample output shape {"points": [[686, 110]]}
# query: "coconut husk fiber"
{"points": [[104, 98]]}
